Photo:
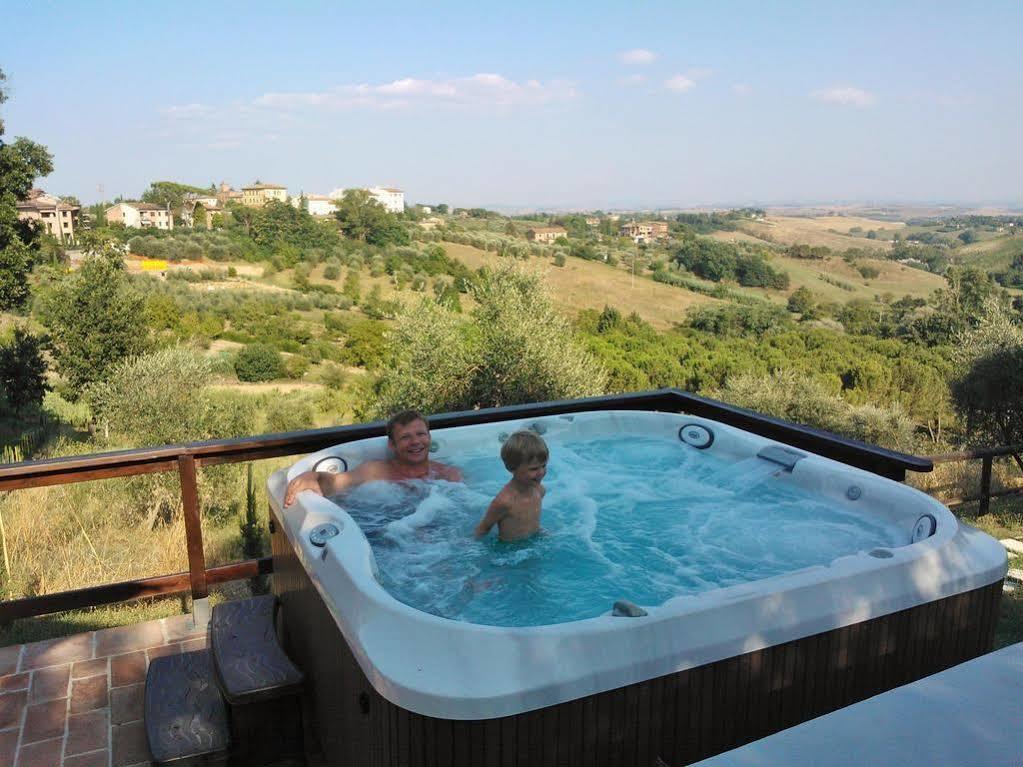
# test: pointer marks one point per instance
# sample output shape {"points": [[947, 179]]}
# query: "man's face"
{"points": [[411, 442]]}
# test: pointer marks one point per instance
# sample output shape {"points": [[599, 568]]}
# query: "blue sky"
{"points": [[522, 104]]}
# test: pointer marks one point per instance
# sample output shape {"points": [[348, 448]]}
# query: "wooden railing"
{"points": [[187, 459], [986, 456]]}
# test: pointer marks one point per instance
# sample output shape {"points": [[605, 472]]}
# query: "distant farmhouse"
{"points": [[545, 235], [645, 231], [316, 204], [57, 218], [140, 215], [259, 194], [392, 199]]}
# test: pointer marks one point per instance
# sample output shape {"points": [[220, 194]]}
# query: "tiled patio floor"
{"points": [[77, 701]]}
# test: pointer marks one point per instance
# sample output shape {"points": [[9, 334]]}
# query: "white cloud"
{"points": [[679, 83], [483, 89], [741, 89], [844, 96], [637, 56]]}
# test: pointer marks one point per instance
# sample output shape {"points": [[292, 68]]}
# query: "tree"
{"points": [[804, 302], [363, 218], [96, 318], [513, 348], [170, 193], [22, 372], [258, 362], [989, 388], [20, 163]]}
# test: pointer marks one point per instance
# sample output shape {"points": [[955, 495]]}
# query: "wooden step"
{"points": [[186, 720], [250, 664]]}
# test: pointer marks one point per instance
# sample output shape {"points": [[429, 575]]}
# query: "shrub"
{"points": [[288, 414], [163, 398], [514, 348], [296, 366], [258, 362]]}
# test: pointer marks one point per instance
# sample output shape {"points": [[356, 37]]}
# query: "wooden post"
{"points": [[985, 486], [193, 527]]}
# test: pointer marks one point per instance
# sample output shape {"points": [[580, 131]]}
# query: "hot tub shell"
{"points": [[698, 675]]}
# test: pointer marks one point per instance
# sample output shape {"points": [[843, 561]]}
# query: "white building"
{"points": [[392, 199], [316, 204], [140, 215]]}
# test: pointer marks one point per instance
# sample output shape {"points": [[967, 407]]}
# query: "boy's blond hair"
{"points": [[523, 447]]}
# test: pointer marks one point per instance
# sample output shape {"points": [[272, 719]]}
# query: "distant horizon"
{"points": [[662, 104]]}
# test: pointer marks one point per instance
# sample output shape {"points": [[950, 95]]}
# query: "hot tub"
{"points": [[685, 678]]}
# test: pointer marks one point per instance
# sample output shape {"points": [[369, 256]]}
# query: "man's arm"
{"points": [[326, 484], [495, 513]]}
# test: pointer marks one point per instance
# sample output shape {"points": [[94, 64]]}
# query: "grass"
{"points": [[829, 231], [994, 254]]}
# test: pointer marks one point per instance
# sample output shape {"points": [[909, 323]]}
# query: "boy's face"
{"points": [[411, 442], [530, 473]]}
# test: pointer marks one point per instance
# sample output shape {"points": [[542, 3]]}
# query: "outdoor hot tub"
{"points": [[660, 662]]}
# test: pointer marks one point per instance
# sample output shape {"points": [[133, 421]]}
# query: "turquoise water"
{"points": [[638, 519]]}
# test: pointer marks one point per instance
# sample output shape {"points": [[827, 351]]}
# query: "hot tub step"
{"points": [[186, 720], [251, 665]]}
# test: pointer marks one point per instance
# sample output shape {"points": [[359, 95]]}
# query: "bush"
{"points": [[288, 414], [296, 366], [163, 398], [514, 348], [258, 362], [794, 397]]}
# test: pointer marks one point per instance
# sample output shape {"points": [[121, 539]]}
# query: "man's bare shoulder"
{"points": [[371, 470]]}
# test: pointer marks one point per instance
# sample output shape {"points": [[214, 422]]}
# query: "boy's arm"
{"points": [[495, 513]]}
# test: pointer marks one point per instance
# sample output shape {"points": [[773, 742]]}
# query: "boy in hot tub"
{"points": [[516, 509], [408, 437]]}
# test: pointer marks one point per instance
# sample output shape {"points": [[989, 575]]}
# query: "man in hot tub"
{"points": [[408, 437]]}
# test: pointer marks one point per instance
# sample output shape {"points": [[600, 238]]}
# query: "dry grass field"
{"points": [[592, 285], [830, 231]]}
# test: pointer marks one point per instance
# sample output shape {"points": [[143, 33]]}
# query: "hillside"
{"points": [[592, 285], [830, 231]]}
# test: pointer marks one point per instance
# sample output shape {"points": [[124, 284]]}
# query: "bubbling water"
{"points": [[638, 519]]}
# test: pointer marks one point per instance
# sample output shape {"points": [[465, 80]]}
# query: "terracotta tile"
{"points": [[43, 754], [54, 652], [180, 627], [14, 682], [9, 659], [94, 759], [11, 706], [127, 638], [194, 644], [127, 669], [129, 744], [8, 747], [126, 703], [44, 720], [49, 683], [89, 668], [167, 649], [87, 732], [89, 694]]}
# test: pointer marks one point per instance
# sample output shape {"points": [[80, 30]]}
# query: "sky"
{"points": [[531, 105]]}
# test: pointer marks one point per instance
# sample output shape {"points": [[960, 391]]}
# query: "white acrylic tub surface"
{"points": [[455, 670]]}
